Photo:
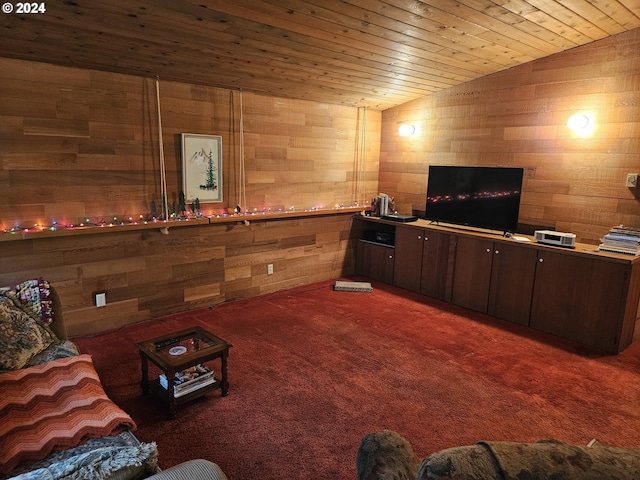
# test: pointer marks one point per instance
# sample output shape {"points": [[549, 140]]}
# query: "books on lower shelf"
{"points": [[189, 380], [621, 239]]}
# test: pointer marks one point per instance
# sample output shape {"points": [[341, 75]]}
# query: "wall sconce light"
{"points": [[406, 130], [581, 123]]}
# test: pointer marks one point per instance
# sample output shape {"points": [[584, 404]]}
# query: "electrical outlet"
{"points": [[101, 299], [632, 180], [270, 269]]}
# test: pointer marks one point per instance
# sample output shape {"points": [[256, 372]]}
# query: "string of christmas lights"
{"points": [[115, 221]]}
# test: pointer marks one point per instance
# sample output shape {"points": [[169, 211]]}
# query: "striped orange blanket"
{"points": [[53, 406]]}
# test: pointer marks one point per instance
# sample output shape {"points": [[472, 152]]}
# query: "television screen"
{"points": [[484, 197]]}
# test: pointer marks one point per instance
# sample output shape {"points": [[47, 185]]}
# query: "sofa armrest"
{"points": [[198, 469], [58, 325]]}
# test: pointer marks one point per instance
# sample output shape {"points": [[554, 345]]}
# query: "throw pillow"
{"points": [[36, 295], [21, 336]]}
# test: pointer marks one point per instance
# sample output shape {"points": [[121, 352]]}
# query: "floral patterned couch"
{"points": [[56, 422], [55, 419], [29, 332]]}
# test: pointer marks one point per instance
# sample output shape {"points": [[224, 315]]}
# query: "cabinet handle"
{"points": [[488, 250], [419, 237], [391, 256], [540, 260], [497, 252], [426, 238]]}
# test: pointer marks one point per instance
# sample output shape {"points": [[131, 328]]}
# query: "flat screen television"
{"points": [[483, 197]]}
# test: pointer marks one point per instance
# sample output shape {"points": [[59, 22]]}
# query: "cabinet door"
{"points": [[375, 261], [438, 260], [472, 273], [581, 299], [382, 261], [408, 261], [512, 277]]}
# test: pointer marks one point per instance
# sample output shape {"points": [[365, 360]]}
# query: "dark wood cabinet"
{"points": [[512, 275], [424, 261], [438, 261], [581, 299], [408, 263], [495, 278], [375, 261], [472, 273], [584, 296]]}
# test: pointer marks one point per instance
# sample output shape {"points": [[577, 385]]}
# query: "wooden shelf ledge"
{"points": [[166, 226], [283, 215]]}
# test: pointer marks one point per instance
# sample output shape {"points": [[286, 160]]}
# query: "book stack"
{"points": [[621, 239], [189, 380]]}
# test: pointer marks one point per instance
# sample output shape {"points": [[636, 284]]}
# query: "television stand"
{"points": [[581, 295]]}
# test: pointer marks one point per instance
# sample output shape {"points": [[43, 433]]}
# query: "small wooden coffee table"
{"points": [[177, 352]]}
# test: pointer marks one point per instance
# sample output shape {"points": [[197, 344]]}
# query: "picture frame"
{"points": [[202, 167]]}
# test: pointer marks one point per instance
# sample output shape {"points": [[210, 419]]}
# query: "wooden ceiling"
{"points": [[373, 53]]}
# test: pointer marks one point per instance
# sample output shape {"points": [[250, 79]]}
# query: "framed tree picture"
{"points": [[202, 167]]}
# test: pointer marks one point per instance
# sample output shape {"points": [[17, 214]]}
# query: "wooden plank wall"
{"points": [[146, 274], [77, 144], [519, 118]]}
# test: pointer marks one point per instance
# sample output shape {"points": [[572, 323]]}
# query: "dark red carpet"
{"points": [[313, 370]]}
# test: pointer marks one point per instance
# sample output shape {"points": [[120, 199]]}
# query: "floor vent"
{"points": [[342, 286]]}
